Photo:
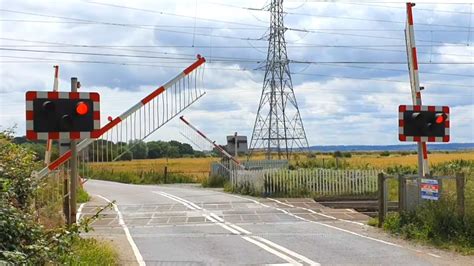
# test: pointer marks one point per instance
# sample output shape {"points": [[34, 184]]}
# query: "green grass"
{"points": [[141, 177], [437, 222], [214, 181], [89, 251], [82, 195]]}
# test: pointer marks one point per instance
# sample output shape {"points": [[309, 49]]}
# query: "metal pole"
{"points": [[49, 142], [72, 198], [423, 167], [235, 145]]}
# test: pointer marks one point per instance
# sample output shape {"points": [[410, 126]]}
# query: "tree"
{"points": [[139, 149], [173, 152], [157, 149]]}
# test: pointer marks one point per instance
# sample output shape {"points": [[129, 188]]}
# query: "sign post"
{"points": [[73, 190]]}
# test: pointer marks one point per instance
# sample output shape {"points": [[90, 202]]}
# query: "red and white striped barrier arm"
{"points": [[226, 154], [86, 142], [49, 142], [414, 77]]}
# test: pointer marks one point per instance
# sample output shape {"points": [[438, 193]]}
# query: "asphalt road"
{"points": [[184, 224]]}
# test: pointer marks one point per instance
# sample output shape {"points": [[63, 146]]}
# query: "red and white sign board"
{"points": [[403, 136], [31, 96]]}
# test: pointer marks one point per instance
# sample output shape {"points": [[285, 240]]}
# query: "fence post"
{"points": [[381, 185], [165, 173], [460, 183], [402, 197]]}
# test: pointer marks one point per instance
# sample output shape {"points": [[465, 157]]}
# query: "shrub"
{"points": [[23, 240], [82, 195], [385, 153], [214, 181], [138, 177], [435, 222]]}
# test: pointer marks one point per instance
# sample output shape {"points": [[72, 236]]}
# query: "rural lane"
{"points": [[186, 224]]}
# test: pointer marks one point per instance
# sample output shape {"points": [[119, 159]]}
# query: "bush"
{"points": [[385, 153], [214, 181], [23, 240], [139, 177], [435, 222], [82, 195]]}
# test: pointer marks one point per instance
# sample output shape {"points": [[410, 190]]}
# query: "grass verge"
{"points": [[435, 223], [214, 181], [89, 251], [82, 195], [141, 177]]}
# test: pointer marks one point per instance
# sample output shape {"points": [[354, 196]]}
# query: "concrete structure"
{"points": [[242, 146]]}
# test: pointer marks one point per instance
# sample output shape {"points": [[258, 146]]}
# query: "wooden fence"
{"points": [[317, 182]]}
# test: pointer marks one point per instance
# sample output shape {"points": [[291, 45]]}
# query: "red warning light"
{"points": [[440, 119], [82, 108]]}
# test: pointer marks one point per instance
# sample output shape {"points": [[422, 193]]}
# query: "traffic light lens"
{"points": [[82, 108], [440, 119], [48, 106]]}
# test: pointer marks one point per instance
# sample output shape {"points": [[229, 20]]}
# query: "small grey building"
{"points": [[241, 144]]}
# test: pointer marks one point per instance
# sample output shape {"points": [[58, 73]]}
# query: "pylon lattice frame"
{"points": [[278, 126]]}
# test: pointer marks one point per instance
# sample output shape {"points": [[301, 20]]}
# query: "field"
{"points": [[201, 166]]}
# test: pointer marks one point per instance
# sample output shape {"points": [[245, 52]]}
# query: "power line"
{"points": [[374, 20], [222, 59], [351, 18], [230, 28], [228, 59], [119, 48], [172, 14], [230, 69], [417, 9], [216, 35]]}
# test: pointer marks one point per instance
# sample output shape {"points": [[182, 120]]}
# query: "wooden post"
{"points": [[460, 183], [165, 173], [402, 196], [381, 185]]}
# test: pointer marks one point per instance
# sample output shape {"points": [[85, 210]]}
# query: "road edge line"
{"points": [[135, 249]]}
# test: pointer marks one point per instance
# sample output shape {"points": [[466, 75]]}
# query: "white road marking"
{"points": [[434, 255], [135, 250], [188, 202], [79, 210], [323, 224], [259, 241], [271, 250], [292, 253], [318, 213], [232, 230]]}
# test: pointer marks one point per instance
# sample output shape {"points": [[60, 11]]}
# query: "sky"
{"points": [[344, 99]]}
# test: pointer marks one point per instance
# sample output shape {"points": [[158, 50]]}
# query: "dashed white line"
{"points": [[135, 250], [323, 224], [246, 235], [317, 213]]}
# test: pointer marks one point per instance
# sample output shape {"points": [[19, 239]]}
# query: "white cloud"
{"points": [[335, 110]]}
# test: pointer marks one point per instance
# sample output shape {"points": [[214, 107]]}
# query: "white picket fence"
{"points": [[323, 182]]}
